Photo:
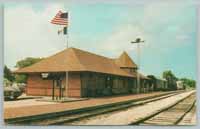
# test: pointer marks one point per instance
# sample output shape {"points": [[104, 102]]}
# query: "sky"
{"points": [[107, 28]]}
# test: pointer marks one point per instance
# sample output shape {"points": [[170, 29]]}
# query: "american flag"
{"points": [[60, 19]]}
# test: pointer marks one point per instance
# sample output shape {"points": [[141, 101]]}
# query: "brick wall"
{"points": [[40, 87], [74, 87]]}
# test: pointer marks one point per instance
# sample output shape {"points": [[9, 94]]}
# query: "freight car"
{"points": [[157, 84], [180, 85]]}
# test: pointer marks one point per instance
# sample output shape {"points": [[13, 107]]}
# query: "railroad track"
{"points": [[59, 119], [172, 115], [190, 117]]}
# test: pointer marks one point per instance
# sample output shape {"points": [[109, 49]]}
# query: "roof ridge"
{"points": [[112, 60], [91, 53], [124, 52], [78, 59]]}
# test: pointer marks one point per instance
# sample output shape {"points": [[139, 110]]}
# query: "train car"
{"points": [[161, 84], [157, 84], [180, 85]]}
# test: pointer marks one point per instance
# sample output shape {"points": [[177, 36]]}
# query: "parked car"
{"points": [[11, 92]]}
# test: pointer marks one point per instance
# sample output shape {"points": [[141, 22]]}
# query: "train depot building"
{"points": [[77, 73]]}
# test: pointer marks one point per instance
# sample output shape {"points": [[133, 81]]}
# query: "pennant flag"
{"points": [[64, 30], [60, 19], [60, 31]]}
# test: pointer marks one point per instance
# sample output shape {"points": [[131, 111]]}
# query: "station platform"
{"points": [[19, 110]]}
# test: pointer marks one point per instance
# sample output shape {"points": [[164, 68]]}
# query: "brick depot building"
{"points": [[77, 73]]}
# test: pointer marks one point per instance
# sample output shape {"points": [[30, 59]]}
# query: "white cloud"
{"points": [[182, 37], [153, 21], [120, 39], [30, 33], [161, 13]]}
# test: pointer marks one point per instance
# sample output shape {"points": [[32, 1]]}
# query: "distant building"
{"points": [[77, 73], [180, 85]]}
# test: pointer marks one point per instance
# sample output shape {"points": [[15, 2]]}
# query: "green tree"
{"points": [[22, 78], [27, 62], [8, 74], [188, 83], [171, 79]]}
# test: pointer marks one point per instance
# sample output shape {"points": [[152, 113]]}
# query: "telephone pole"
{"points": [[138, 41]]}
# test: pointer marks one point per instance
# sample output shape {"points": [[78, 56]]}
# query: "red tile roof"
{"points": [[124, 61], [73, 59]]}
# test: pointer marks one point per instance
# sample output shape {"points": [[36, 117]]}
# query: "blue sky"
{"points": [[106, 28]]}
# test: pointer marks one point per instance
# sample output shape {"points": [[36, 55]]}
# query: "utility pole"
{"points": [[138, 41]]}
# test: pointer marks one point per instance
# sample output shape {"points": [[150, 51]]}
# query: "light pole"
{"points": [[138, 41]]}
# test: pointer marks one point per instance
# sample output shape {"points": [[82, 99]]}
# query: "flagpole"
{"points": [[67, 40], [67, 27], [62, 19], [66, 84], [67, 73]]}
